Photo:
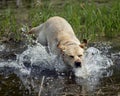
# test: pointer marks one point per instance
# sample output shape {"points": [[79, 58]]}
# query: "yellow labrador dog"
{"points": [[58, 35]]}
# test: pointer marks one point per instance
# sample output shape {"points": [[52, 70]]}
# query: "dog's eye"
{"points": [[79, 55], [71, 56]]}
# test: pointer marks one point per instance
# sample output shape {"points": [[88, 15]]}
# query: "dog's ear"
{"points": [[61, 47], [84, 43]]}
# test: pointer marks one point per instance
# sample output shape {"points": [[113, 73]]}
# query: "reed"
{"points": [[9, 27], [89, 20]]}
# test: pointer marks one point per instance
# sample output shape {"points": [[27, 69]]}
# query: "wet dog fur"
{"points": [[58, 35]]}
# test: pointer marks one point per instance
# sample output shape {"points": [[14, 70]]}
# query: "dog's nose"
{"points": [[77, 64]]}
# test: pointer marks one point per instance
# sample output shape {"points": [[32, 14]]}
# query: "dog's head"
{"points": [[73, 54]]}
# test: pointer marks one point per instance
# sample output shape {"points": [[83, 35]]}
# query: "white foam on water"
{"points": [[95, 64], [38, 56], [8, 64], [13, 64], [2, 47], [94, 67]]}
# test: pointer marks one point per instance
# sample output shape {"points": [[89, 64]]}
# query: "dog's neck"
{"points": [[66, 40], [69, 42]]}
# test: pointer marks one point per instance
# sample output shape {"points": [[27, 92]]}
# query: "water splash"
{"points": [[38, 56], [2, 47], [36, 59], [94, 64]]}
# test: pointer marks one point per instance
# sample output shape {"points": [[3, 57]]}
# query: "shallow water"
{"points": [[23, 76]]}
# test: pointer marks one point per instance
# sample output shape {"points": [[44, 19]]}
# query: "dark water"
{"points": [[15, 83]]}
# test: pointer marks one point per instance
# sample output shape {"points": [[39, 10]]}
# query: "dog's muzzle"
{"points": [[77, 64]]}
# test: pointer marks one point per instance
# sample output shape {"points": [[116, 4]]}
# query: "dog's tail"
{"points": [[36, 30]]}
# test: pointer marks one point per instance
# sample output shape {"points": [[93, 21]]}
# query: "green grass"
{"points": [[9, 28], [89, 20]]}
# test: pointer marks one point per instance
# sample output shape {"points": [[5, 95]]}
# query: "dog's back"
{"points": [[58, 24], [55, 30]]}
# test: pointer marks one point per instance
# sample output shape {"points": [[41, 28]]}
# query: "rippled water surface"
{"points": [[35, 72]]}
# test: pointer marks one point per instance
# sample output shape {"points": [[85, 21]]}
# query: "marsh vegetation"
{"points": [[96, 20], [89, 19]]}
